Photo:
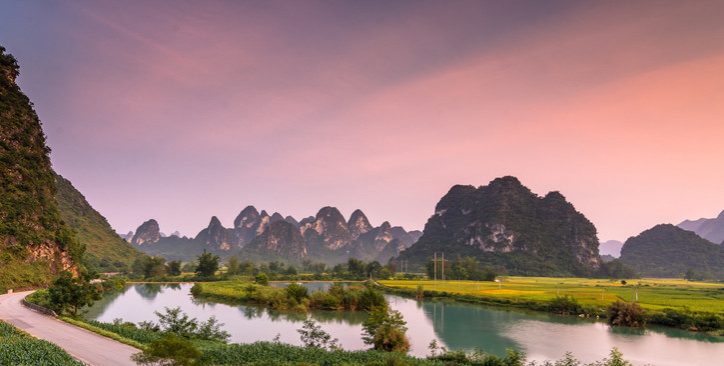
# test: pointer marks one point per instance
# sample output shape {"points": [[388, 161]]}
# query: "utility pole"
{"points": [[434, 270], [443, 268]]}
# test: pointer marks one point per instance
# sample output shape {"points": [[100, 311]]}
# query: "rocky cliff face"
{"points": [[504, 223], [709, 229], [31, 229], [281, 240], [215, 237], [358, 224], [146, 234]]}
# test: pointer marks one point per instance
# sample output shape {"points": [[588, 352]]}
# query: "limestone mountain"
{"points": [[358, 224], [378, 244], [215, 237], [407, 238], [248, 225], [669, 251], [35, 243], [326, 237], [105, 250], [611, 247], [146, 234], [709, 229], [280, 241], [127, 237], [505, 224]]}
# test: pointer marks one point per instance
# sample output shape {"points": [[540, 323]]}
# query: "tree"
{"points": [[154, 267], [74, 293], [313, 336], [297, 291], [232, 266], [173, 268], [168, 351], [208, 264], [356, 267], [262, 279], [385, 330], [178, 322]]}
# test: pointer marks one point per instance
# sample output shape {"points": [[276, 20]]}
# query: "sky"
{"points": [[182, 110]]}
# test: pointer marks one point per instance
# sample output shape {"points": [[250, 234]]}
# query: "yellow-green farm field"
{"points": [[653, 294]]}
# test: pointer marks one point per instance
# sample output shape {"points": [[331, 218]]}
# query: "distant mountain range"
{"points": [[504, 224], [709, 229], [326, 237], [611, 247]]}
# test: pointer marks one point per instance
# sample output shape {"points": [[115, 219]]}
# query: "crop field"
{"points": [[19, 348], [653, 294]]}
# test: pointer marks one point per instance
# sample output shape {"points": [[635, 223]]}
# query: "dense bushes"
{"points": [[293, 297], [628, 314]]}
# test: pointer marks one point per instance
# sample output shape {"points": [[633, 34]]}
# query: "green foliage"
{"points": [[19, 348], [385, 330], [173, 268], [312, 335], [262, 279], [174, 320], [29, 217], [154, 267], [169, 351], [105, 251], [208, 264], [232, 265], [566, 305], [297, 291], [69, 293], [627, 314]]}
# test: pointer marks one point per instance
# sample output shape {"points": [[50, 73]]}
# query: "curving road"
{"points": [[84, 345]]}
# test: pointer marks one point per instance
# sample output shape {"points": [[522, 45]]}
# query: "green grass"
{"points": [[19, 348], [653, 294]]}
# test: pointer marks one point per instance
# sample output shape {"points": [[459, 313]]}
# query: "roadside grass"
{"points": [[653, 294]]}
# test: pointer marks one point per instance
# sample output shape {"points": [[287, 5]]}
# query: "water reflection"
{"points": [[453, 325]]}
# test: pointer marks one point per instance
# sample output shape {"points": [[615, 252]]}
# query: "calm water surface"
{"points": [[454, 325]]}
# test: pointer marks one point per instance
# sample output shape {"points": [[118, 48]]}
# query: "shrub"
{"points": [[627, 314]]}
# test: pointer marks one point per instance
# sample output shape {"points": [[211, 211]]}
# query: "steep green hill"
{"points": [[504, 224], [34, 241], [105, 250], [670, 251]]}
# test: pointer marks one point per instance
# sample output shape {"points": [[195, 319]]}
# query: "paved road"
{"points": [[84, 345]]}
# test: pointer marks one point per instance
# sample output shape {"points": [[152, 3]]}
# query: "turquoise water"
{"points": [[453, 325]]}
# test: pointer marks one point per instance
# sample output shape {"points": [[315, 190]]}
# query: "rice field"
{"points": [[19, 348], [653, 294]]}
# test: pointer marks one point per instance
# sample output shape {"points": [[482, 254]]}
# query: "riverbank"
{"points": [[674, 303]]}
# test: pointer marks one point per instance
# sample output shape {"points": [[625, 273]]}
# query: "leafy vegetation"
{"points": [[169, 350], [19, 348], [105, 250], [293, 297], [29, 219], [385, 330]]}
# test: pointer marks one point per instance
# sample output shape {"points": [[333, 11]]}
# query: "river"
{"points": [[453, 325]]}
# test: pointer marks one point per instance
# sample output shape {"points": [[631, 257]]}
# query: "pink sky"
{"points": [[182, 110]]}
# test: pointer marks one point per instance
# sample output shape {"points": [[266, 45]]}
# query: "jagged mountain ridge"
{"points": [[709, 229], [504, 224], [326, 237]]}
